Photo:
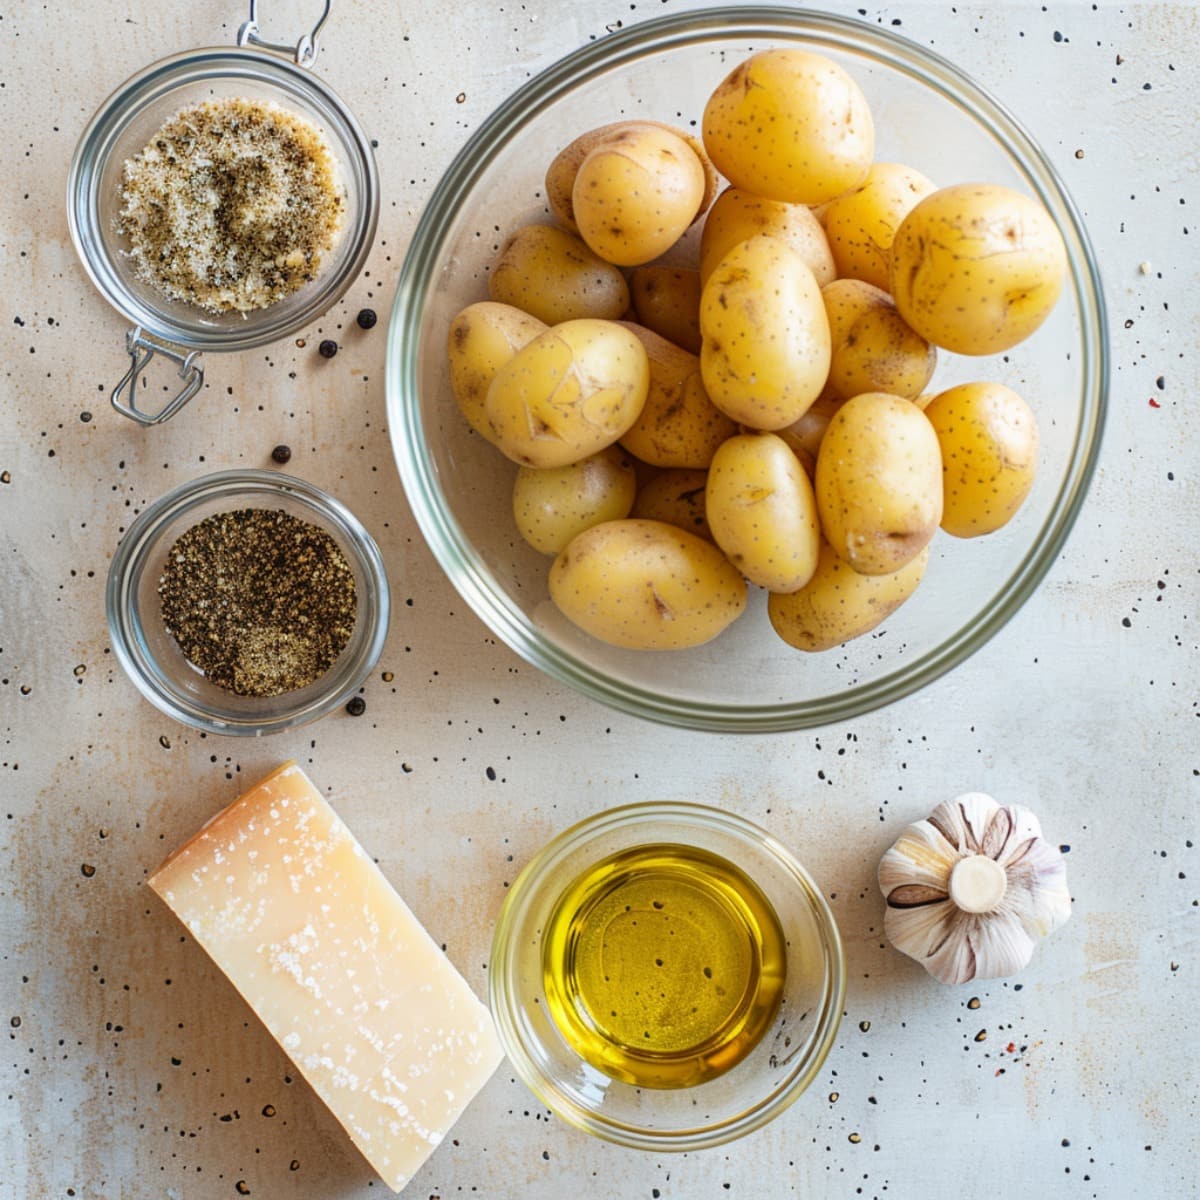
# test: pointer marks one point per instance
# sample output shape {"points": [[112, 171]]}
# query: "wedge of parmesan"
{"points": [[283, 898]]}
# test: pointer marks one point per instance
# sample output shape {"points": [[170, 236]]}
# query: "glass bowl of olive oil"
{"points": [[666, 976]]}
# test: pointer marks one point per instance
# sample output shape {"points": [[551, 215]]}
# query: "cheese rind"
{"points": [[283, 898]]}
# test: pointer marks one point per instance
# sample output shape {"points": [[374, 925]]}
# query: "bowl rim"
{"points": [[124, 102], [149, 525], [452, 549], [688, 815]]}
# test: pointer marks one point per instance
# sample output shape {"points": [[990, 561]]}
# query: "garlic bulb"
{"points": [[970, 889]]}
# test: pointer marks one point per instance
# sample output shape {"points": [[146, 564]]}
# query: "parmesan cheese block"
{"points": [[367, 1006]]}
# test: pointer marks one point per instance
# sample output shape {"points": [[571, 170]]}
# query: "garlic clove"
{"points": [[1001, 946], [1037, 889], [953, 960], [921, 931], [964, 821], [922, 855]]}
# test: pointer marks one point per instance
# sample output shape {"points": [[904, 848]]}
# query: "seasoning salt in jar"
{"points": [[247, 602], [299, 202]]}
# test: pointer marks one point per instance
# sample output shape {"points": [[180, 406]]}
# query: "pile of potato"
{"points": [[762, 416]]}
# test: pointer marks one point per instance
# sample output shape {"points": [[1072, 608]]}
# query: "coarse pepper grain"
{"points": [[259, 600]]}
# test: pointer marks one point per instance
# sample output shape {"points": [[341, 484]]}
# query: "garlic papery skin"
{"points": [[971, 888]]}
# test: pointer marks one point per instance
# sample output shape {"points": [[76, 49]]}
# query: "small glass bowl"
{"points": [[152, 658], [928, 114], [762, 1085], [126, 122]]}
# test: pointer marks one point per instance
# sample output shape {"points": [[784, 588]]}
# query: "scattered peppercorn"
{"points": [[366, 318], [259, 600], [328, 348], [85, 417], [282, 454], [87, 870], [356, 706]]}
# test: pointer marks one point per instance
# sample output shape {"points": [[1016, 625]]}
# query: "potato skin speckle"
{"points": [[554, 276], [762, 512], [879, 482], [738, 215], [574, 390], [646, 585], [872, 349], [989, 442], [790, 125], [976, 268], [765, 355], [861, 225], [838, 603], [481, 339]]}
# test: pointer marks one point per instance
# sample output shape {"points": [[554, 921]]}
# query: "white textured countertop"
{"points": [[133, 1070]]}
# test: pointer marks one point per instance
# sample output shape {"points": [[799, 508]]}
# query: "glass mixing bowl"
{"points": [[152, 658], [928, 114], [124, 124], [785, 1061]]}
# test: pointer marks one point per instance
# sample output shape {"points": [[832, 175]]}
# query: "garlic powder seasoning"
{"points": [[232, 205]]}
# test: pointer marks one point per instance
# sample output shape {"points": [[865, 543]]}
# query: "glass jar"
{"points": [[124, 124], [153, 660]]}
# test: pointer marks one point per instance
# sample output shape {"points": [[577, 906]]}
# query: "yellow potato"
{"points": [[989, 441], [679, 426], [667, 301], [838, 603], [879, 482], [977, 267], [482, 338], [560, 178], [862, 224], [574, 390], [645, 585], [555, 277], [790, 125], [762, 513], [803, 437], [766, 337], [552, 506], [676, 497], [873, 350], [738, 215], [636, 193]]}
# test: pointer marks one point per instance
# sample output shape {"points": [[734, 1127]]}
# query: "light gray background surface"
{"points": [[132, 1070]]}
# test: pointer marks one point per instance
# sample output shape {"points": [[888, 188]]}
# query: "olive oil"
{"points": [[663, 965]]}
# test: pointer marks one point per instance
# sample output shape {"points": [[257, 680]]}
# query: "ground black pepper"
{"points": [[259, 600]]}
